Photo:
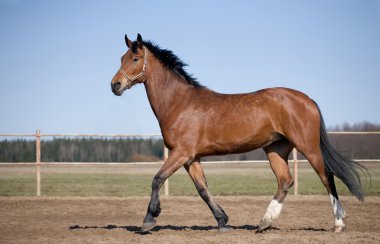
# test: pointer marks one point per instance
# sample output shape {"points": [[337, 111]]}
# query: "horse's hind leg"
{"points": [[338, 211], [197, 175], [277, 153], [314, 156]]}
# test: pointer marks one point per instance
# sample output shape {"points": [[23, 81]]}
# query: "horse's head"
{"points": [[133, 66]]}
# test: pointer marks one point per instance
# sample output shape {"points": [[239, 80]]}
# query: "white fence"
{"points": [[38, 162]]}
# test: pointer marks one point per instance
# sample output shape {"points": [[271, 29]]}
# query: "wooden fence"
{"points": [[38, 162]]}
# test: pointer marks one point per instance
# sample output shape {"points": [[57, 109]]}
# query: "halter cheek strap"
{"points": [[132, 79]]}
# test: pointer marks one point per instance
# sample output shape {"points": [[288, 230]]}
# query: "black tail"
{"points": [[346, 170]]}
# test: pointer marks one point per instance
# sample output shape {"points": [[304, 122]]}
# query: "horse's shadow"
{"points": [[310, 229], [137, 229]]}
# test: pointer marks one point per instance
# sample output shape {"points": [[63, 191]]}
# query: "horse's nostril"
{"points": [[117, 85]]}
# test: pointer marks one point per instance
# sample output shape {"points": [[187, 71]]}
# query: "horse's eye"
{"points": [[135, 60]]}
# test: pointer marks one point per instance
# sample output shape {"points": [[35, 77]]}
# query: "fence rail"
{"points": [[38, 162]]}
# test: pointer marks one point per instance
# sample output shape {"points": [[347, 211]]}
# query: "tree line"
{"points": [[83, 150], [151, 149]]}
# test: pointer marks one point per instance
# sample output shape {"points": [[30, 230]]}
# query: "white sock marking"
{"points": [[339, 223], [334, 203], [273, 210]]}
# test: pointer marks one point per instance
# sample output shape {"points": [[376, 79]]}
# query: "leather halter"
{"points": [[132, 79]]}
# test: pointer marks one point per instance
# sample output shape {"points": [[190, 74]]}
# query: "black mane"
{"points": [[170, 61]]}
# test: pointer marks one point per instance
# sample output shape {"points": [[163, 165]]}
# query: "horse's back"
{"points": [[243, 122], [272, 106]]}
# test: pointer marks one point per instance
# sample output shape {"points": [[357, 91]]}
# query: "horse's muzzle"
{"points": [[116, 88]]}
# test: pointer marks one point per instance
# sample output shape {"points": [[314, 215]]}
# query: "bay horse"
{"points": [[196, 122]]}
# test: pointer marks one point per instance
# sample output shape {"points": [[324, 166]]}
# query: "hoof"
{"points": [[338, 229], [147, 226], [224, 229], [264, 225]]}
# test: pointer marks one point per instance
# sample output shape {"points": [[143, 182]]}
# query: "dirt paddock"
{"points": [[305, 219]]}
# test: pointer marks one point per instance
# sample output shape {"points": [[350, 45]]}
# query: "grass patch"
{"points": [[17, 185], [70, 183]]}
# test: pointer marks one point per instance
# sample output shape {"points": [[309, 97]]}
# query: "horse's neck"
{"points": [[166, 92]]}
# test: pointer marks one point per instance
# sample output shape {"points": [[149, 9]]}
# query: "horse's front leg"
{"points": [[172, 164], [197, 175]]}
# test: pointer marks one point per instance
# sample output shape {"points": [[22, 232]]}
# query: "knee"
{"points": [[157, 182]]}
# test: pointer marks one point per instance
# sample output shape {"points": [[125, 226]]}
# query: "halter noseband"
{"points": [[142, 73]]}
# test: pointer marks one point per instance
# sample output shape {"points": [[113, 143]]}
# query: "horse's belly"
{"points": [[238, 140]]}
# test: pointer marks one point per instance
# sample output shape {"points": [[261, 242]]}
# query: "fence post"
{"points": [[38, 161], [295, 171], [166, 184]]}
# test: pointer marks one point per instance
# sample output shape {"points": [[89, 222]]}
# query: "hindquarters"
{"points": [[310, 138]]}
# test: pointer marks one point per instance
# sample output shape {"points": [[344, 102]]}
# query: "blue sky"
{"points": [[57, 58]]}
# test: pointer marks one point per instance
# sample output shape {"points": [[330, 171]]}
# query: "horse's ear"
{"points": [[128, 42], [139, 40]]}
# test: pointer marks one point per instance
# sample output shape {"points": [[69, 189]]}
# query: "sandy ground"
{"points": [[305, 219]]}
